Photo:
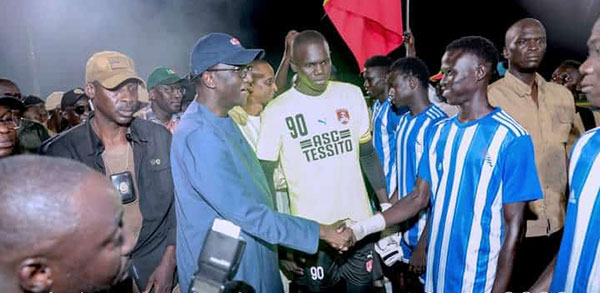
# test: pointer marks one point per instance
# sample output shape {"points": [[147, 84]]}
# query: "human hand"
{"points": [[289, 40], [291, 267], [337, 235], [161, 280], [418, 260]]}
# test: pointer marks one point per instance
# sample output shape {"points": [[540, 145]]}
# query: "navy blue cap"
{"points": [[216, 48]]}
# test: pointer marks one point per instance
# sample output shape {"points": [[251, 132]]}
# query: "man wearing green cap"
{"points": [[165, 93]]}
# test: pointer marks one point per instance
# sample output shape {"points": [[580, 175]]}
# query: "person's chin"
{"points": [[6, 151]]}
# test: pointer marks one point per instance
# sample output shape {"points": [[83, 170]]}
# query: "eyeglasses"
{"points": [[10, 121], [242, 71], [79, 110]]}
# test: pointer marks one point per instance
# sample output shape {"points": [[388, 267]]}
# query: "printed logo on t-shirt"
{"points": [[323, 145], [343, 116]]}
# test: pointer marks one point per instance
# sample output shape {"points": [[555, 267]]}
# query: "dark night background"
{"points": [[45, 43]]}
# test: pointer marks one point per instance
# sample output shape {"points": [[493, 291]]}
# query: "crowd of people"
{"points": [[469, 180]]}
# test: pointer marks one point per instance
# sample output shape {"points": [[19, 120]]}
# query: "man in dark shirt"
{"points": [[134, 153]]}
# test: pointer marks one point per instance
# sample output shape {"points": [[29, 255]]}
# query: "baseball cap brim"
{"points": [[244, 57], [171, 80], [117, 79], [12, 103]]}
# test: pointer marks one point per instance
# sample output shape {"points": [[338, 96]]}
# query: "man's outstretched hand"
{"points": [[338, 235]]}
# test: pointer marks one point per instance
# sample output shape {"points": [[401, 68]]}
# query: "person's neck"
{"points": [[110, 133], [212, 104], [161, 114], [418, 103], [476, 107], [307, 90], [253, 108], [527, 77], [381, 98]]}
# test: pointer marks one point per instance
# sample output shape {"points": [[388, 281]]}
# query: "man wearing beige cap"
{"points": [[134, 155]]}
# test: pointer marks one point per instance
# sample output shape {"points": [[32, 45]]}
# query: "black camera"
{"points": [[219, 260]]}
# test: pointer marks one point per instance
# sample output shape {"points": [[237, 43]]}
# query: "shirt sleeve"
{"points": [[269, 136], [423, 169], [365, 121], [213, 174], [519, 175]]}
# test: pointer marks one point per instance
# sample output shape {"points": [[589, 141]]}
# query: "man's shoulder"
{"points": [[555, 89], [72, 136], [149, 129]]}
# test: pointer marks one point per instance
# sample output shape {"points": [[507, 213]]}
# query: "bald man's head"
{"points": [[525, 45], [312, 62], [56, 217], [308, 37]]}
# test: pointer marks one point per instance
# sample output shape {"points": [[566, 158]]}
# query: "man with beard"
{"points": [[546, 110], [61, 228], [134, 154], [165, 92]]}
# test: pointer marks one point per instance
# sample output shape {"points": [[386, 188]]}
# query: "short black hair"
{"points": [[479, 46], [378, 61], [412, 66], [307, 37], [571, 64]]}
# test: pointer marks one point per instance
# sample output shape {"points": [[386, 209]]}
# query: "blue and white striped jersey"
{"points": [[409, 148], [578, 264], [473, 169], [385, 121]]}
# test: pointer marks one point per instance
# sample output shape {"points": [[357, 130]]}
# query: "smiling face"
{"points": [[459, 80], [375, 82], [8, 132], [263, 83], [525, 45]]}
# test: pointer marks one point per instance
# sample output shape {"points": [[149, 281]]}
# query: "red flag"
{"points": [[369, 28]]}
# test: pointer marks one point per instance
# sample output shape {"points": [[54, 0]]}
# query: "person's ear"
{"points": [[35, 275], [90, 90], [293, 66], [208, 80], [480, 72], [506, 53], [152, 94], [63, 114], [412, 82]]}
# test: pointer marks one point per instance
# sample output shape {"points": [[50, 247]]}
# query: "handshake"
{"points": [[344, 234]]}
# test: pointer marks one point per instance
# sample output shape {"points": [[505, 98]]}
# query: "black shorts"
{"points": [[359, 266]]}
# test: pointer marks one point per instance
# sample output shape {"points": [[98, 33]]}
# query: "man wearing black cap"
{"points": [[9, 123], [134, 155], [217, 175], [32, 132], [74, 108], [165, 93], [35, 109]]}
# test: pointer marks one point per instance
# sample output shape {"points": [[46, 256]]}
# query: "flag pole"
{"points": [[408, 15]]}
